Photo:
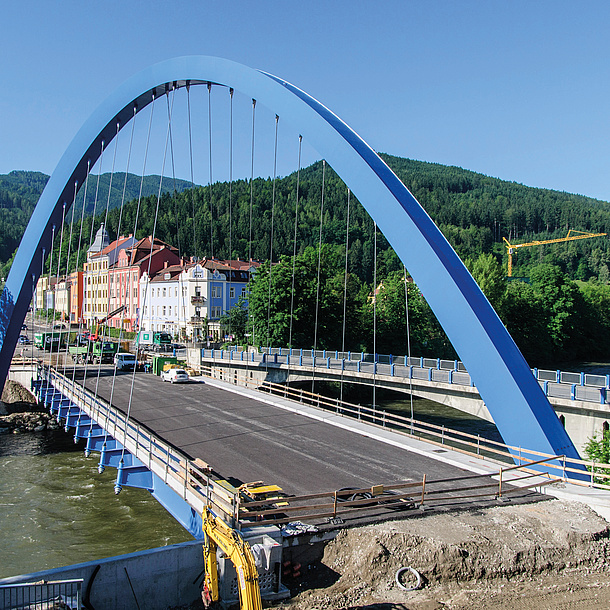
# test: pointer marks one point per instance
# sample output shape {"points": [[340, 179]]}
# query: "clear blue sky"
{"points": [[513, 89]]}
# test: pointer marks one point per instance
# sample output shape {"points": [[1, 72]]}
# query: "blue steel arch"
{"points": [[518, 406]]}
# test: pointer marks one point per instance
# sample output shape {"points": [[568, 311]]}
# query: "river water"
{"points": [[56, 510]]}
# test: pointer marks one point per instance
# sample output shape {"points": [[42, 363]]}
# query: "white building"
{"points": [[189, 300], [160, 304], [62, 299]]}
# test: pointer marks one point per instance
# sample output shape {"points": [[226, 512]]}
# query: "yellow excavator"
{"points": [[231, 542]]}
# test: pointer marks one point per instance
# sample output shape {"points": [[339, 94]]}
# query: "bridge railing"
{"points": [[554, 384], [397, 496], [557, 376], [187, 477], [591, 474], [50, 594]]}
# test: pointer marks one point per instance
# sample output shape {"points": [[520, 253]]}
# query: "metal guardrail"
{"points": [[399, 496], [555, 384], [592, 474], [66, 594]]}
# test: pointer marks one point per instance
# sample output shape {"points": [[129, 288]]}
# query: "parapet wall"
{"points": [[156, 579]]}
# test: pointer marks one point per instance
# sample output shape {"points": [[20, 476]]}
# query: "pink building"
{"points": [[124, 278]]}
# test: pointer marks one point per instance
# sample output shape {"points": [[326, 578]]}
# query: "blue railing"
{"points": [[555, 384]]}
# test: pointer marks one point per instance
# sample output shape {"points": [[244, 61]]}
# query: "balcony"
{"points": [[197, 300], [197, 320]]}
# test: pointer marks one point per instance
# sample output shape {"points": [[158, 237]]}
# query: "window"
{"points": [[169, 313], [216, 292], [232, 292], [164, 292], [243, 291]]}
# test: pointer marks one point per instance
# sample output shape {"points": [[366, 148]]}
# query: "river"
{"points": [[57, 510]]}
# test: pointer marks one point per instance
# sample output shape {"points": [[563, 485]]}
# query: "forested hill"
{"points": [[474, 212], [551, 318], [20, 190]]}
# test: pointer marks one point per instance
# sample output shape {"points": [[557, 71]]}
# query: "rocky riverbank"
{"points": [[19, 411]]}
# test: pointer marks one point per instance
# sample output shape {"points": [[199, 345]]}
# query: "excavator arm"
{"points": [[219, 534]]}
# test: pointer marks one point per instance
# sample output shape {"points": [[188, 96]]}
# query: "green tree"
{"points": [[489, 275], [235, 321]]}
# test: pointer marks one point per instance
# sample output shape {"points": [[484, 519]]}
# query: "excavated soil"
{"points": [[547, 555]]}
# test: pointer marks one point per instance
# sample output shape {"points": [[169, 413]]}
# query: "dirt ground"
{"points": [[546, 555]]}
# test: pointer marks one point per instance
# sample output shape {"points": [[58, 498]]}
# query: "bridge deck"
{"points": [[246, 439]]}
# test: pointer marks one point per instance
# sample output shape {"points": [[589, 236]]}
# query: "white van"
{"points": [[124, 361]]}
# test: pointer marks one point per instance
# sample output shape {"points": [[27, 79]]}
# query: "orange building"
{"points": [[75, 283]]}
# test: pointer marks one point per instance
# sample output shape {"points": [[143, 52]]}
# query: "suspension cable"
{"points": [[345, 291], [251, 205], [123, 290], [277, 120], [171, 149], [97, 188], [374, 313], [95, 284], [107, 275], [230, 257], [61, 241], [80, 239], [294, 250], [116, 282], [152, 244], [195, 241], [210, 183], [315, 336], [408, 363], [44, 300]]}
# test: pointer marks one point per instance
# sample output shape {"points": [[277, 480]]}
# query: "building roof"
{"points": [[173, 271], [100, 242]]}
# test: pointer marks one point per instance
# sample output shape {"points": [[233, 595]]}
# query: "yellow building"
{"points": [[95, 289]]}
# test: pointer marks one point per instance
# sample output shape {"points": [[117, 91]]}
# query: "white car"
{"points": [[175, 376], [125, 361]]}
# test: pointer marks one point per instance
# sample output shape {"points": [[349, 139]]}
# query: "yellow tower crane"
{"points": [[571, 236]]}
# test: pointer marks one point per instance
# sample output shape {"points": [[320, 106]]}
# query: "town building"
{"points": [[75, 283], [101, 256], [62, 299], [145, 256], [43, 295], [188, 300]]}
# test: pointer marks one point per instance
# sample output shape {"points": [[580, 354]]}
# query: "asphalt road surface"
{"points": [[247, 440]]}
